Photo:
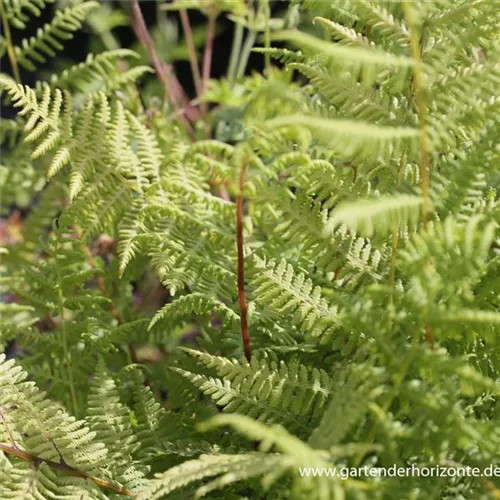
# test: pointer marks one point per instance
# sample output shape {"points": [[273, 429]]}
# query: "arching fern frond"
{"points": [[18, 12], [376, 215], [48, 39], [42, 114], [292, 457], [99, 69], [207, 466], [194, 303], [354, 139], [282, 291], [357, 59], [354, 390], [266, 390], [342, 34]]}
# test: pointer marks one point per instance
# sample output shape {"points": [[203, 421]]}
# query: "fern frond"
{"points": [[342, 34], [194, 303], [383, 25], [206, 466], [360, 60], [378, 215], [351, 99], [353, 139], [99, 69], [131, 226], [18, 12], [352, 395], [266, 390], [284, 56], [10, 131], [294, 455], [149, 416], [278, 288], [110, 420], [48, 39], [469, 316], [43, 116]]}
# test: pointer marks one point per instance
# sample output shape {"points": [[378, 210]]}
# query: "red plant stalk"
{"points": [[163, 70], [193, 58]]}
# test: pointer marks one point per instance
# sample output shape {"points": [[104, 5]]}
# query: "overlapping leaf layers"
{"points": [[371, 256]]}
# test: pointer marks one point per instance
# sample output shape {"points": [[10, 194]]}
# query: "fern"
{"points": [[264, 390], [18, 12], [48, 39], [263, 289]]}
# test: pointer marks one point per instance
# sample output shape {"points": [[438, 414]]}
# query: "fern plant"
{"points": [[267, 291]]}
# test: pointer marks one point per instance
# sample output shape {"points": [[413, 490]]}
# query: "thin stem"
{"points": [[245, 53], [395, 235], [10, 46], [429, 339], [66, 353], [163, 71], [235, 53], [207, 63], [241, 262], [64, 339], [419, 89], [193, 58], [7, 428]]}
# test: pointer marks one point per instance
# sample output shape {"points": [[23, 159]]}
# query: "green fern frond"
{"points": [[294, 453], [469, 316], [10, 131], [360, 60], [354, 139], [279, 288], [48, 39], [383, 24], [350, 400], [18, 318], [378, 215], [131, 227], [110, 420], [148, 416], [351, 99], [342, 34], [232, 468], [43, 116], [206, 466], [195, 303], [18, 12], [102, 68], [266, 390], [284, 56]]}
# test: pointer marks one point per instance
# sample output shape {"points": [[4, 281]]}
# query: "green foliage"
{"points": [[49, 38], [365, 161]]}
